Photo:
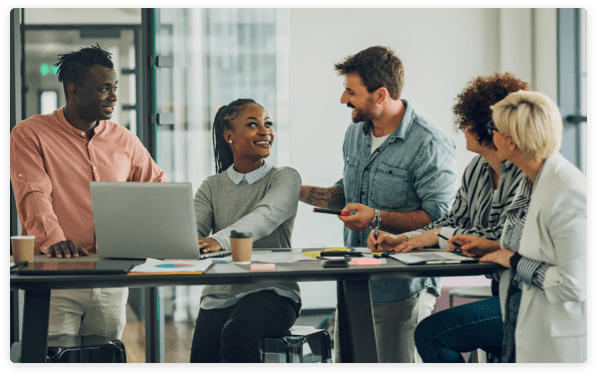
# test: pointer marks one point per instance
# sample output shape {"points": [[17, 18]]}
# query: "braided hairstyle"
{"points": [[72, 67], [222, 151]]}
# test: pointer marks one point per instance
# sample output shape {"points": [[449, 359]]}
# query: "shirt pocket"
{"points": [[390, 187], [351, 188]]}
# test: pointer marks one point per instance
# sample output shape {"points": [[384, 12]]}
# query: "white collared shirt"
{"points": [[250, 177]]}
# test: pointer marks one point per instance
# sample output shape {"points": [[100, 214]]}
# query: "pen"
{"points": [[458, 248], [334, 212], [376, 229], [19, 265]]}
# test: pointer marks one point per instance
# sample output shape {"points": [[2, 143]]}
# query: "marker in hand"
{"points": [[333, 212]]}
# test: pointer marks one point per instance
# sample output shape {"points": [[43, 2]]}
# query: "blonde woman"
{"points": [[543, 245]]}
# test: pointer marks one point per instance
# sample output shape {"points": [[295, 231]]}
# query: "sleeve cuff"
{"points": [[526, 268], [49, 242]]}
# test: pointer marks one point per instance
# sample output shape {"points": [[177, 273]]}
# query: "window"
{"points": [[216, 56], [583, 88], [572, 84]]}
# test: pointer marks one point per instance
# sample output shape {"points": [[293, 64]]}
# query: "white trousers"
{"points": [[88, 312]]}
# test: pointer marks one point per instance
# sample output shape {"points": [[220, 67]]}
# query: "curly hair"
{"points": [[378, 67], [472, 110], [73, 66]]}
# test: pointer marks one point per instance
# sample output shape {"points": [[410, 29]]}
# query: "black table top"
{"points": [[239, 274]]}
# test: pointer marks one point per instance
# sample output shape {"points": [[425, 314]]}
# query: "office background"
{"points": [[199, 59]]}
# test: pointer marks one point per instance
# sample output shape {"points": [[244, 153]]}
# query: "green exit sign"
{"points": [[46, 69]]}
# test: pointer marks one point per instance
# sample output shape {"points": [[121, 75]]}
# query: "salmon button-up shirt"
{"points": [[51, 165]]}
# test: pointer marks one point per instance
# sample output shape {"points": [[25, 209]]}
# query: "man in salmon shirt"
{"points": [[52, 160]]}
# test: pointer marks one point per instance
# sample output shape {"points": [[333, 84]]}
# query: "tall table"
{"points": [[355, 316]]}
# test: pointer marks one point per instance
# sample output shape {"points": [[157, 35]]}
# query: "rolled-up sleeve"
{"points": [[33, 190]]}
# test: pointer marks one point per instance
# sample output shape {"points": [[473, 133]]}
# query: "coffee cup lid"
{"points": [[235, 234]]}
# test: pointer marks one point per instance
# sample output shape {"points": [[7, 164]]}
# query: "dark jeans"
{"points": [[232, 334], [443, 336]]}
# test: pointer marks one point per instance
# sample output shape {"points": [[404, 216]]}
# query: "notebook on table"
{"points": [[432, 257]]}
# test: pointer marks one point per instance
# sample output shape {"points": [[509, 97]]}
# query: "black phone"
{"points": [[335, 264]]}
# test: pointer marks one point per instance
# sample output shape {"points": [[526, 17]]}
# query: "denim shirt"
{"points": [[413, 169]]}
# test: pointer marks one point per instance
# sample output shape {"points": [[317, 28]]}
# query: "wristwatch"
{"points": [[376, 222]]}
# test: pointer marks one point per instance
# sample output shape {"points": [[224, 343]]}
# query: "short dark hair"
{"points": [[73, 66], [378, 67], [472, 110], [223, 155]]}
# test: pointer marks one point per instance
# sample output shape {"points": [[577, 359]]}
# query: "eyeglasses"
{"points": [[491, 128]]}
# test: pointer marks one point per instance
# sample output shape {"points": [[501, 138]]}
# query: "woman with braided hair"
{"points": [[247, 194]]}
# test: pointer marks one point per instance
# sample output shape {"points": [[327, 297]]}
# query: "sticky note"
{"points": [[263, 267], [337, 249], [312, 254], [365, 261]]}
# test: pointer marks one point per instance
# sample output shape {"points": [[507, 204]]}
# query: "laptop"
{"points": [[139, 220]]}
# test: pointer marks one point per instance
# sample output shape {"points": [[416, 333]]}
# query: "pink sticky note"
{"points": [[366, 261], [263, 267]]}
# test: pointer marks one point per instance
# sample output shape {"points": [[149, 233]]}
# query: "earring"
{"points": [[230, 141]]}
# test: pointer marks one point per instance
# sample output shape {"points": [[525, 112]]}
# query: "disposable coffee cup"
{"points": [[241, 246], [22, 248]]}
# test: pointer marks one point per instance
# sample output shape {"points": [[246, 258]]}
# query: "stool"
{"points": [[290, 346], [79, 349], [478, 292]]}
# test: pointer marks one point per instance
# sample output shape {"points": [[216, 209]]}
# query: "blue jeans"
{"points": [[443, 336]]}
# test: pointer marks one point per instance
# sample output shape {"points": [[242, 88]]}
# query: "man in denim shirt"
{"points": [[396, 167]]}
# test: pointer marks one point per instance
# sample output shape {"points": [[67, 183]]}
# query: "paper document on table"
{"points": [[278, 257], [432, 257], [173, 266]]}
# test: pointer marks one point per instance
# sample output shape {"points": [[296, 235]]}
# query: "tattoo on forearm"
{"points": [[332, 197]]}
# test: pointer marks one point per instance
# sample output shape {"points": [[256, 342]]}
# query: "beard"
{"points": [[360, 115]]}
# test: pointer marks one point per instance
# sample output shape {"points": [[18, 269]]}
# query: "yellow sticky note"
{"points": [[336, 249], [312, 254]]}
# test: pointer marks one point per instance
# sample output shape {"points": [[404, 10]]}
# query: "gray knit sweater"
{"points": [[267, 208]]}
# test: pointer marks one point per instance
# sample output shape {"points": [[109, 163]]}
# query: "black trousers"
{"points": [[232, 334]]}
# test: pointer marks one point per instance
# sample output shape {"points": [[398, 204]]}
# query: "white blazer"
{"points": [[552, 324]]}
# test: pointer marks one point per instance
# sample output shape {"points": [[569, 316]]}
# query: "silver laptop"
{"points": [[138, 220]]}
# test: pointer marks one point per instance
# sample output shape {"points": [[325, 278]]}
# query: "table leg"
{"points": [[36, 318], [154, 326], [355, 323]]}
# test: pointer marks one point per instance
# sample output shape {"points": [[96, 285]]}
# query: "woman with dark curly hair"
{"points": [[488, 187], [488, 184]]}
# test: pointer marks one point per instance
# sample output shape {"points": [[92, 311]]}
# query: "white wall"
{"points": [[442, 50]]}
